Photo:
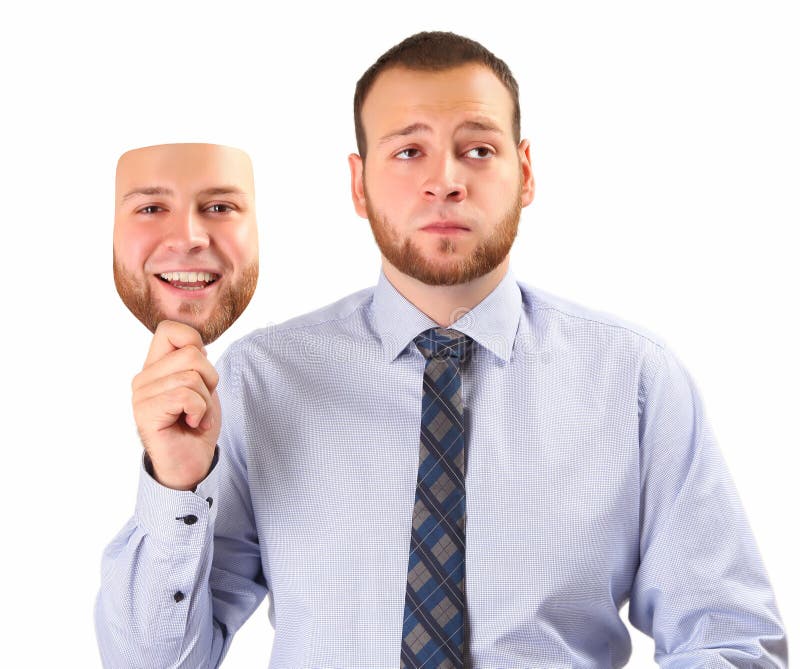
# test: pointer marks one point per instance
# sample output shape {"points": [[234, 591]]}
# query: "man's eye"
{"points": [[219, 208], [150, 209], [407, 154], [480, 152]]}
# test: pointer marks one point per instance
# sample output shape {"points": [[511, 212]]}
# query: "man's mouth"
{"points": [[446, 227], [189, 280]]}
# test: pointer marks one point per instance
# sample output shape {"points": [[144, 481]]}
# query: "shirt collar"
{"points": [[492, 323]]}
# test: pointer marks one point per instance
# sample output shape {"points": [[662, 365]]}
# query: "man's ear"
{"points": [[357, 184], [528, 184]]}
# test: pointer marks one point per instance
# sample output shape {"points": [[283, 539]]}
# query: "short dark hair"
{"points": [[433, 51]]}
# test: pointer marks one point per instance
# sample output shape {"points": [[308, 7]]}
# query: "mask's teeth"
{"points": [[188, 277]]}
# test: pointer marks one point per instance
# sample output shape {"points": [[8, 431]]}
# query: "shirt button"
{"points": [[178, 597], [210, 501], [191, 519]]}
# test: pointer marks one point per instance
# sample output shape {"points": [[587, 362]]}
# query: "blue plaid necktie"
{"points": [[433, 622]]}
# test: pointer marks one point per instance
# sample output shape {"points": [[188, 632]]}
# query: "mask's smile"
{"points": [[188, 281]]}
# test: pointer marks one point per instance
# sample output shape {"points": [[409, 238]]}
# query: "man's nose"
{"points": [[445, 180], [187, 231]]}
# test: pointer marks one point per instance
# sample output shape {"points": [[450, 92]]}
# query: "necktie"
{"points": [[433, 621]]}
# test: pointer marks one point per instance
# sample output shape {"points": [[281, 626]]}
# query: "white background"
{"points": [[665, 146]]}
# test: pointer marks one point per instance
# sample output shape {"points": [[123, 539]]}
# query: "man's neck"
{"points": [[445, 304]]}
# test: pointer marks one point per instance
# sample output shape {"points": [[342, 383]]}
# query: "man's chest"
{"points": [[552, 508]]}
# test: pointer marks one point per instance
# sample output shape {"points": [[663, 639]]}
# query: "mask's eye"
{"points": [[480, 152], [218, 208], [407, 154], [150, 209]]}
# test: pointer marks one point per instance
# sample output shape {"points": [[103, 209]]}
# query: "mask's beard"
{"points": [[231, 302], [409, 259]]}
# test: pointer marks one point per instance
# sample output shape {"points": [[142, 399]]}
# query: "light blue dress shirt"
{"points": [[592, 478]]}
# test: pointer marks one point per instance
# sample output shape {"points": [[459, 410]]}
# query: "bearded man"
{"points": [[452, 469]]}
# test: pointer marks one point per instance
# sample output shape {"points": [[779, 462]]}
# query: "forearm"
{"points": [[701, 590], [155, 606]]}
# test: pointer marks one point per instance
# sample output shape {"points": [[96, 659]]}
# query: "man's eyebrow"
{"points": [[408, 130], [147, 190], [482, 124]]}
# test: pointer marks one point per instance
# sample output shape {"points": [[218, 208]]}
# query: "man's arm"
{"points": [[701, 590], [185, 572]]}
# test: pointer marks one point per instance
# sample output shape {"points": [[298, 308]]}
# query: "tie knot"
{"points": [[444, 343]]}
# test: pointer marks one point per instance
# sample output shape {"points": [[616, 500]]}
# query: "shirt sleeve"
{"points": [[701, 590], [184, 574]]}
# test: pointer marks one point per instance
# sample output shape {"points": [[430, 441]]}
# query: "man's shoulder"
{"points": [[335, 317], [576, 315]]}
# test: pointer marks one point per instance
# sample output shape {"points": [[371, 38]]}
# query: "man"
{"points": [[451, 469], [185, 237]]}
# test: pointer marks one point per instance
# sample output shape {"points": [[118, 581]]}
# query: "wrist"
{"points": [[178, 482]]}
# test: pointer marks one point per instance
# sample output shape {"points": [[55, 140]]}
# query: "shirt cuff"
{"points": [[177, 516]]}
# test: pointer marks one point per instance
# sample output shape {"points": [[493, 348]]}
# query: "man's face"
{"points": [[185, 240], [444, 182]]}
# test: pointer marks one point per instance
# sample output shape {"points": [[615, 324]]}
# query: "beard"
{"points": [[231, 302], [409, 258]]}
